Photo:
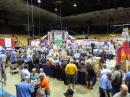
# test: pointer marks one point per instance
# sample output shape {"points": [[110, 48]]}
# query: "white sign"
{"points": [[8, 42], [58, 35], [125, 34], [33, 43]]}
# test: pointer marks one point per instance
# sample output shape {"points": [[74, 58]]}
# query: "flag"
{"points": [[7, 42], [123, 55]]}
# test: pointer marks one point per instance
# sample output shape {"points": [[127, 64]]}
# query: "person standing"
{"points": [[105, 85], [34, 80], [3, 58], [123, 92], [91, 80], [13, 60], [25, 73], [42, 71], [29, 61], [127, 81], [44, 88], [24, 89], [105, 70], [116, 79], [34, 76], [71, 72], [58, 68], [64, 63]]}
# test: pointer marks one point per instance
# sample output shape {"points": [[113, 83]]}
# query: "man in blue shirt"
{"points": [[13, 61], [105, 85], [29, 62], [13, 57], [24, 89], [29, 58]]}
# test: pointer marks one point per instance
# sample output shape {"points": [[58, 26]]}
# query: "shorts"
{"points": [[71, 79]]}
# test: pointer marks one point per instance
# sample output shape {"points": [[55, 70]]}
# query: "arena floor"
{"points": [[57, 87]]}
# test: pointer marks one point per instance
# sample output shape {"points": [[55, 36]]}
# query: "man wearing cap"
{"points": [[71, 71]]}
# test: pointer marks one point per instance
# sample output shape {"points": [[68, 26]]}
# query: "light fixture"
{"points": [[39, 1], [75, 5], [56, 9]]}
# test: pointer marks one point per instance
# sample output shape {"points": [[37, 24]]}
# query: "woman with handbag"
{"points": [[44, 89]]}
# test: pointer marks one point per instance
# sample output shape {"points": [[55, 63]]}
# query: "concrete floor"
{"points": [[57, 87]]}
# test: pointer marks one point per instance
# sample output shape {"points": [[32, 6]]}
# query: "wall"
{"points": [[23, 39]]}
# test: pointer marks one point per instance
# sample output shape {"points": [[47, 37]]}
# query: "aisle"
{"points": [[57, 87]]}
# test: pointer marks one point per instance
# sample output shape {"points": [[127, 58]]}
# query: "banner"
{"points": [[49, 38], [57, 37], [43, 43]]}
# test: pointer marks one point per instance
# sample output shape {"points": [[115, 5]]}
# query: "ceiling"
{"points": [[15, 12], [83, 6], [92, 12]]}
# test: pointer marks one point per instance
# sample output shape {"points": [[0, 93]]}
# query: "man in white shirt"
{"points": [[105, 70], [25, 73]]}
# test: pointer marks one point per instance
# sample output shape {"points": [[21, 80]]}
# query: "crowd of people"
{"points": [[73, 66]]}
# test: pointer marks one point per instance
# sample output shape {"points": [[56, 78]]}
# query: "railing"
{"points": [[19, 43]]}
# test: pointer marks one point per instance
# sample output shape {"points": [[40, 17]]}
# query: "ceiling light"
{"points": [[75, 5], [39, 1], [56, 9]]}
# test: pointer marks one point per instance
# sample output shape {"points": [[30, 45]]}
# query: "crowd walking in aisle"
{"points": [[37, 65]]}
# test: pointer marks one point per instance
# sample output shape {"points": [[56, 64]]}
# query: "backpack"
{"points": [[117, 82]]}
